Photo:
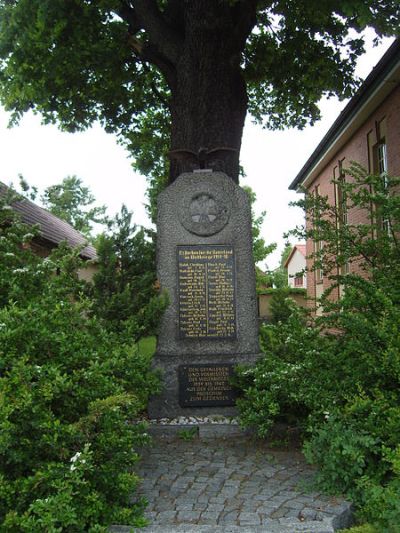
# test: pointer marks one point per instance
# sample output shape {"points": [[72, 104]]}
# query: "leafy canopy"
{"points": [[112, 61], [72, 201]]}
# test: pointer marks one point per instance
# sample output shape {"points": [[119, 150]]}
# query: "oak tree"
{"points": [[177, 77]]}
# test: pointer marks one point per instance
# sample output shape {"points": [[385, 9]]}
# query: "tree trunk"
{"points": [[209, 100]]}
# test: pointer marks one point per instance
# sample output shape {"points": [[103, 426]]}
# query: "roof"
{"points": [[378, 84], [301, 248], [51, 228]]}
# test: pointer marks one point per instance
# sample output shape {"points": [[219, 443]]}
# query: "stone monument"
{"points": [[205, 263]]}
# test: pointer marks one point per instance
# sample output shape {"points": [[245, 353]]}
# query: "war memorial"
{"points": [[205, 264]]}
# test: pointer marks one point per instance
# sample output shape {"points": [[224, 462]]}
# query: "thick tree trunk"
{"points": [[209, 99]]}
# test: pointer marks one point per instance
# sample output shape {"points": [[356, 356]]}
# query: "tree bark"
{"points": [[209, 99]]}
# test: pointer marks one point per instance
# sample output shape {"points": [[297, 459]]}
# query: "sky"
{"points": [[271, 159]]}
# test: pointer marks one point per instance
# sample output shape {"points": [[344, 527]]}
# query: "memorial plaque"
{"points": [[206, 385], [206, 292]]}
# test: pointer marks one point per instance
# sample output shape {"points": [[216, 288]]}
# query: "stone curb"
{"points": [[325, 526], [203, 430]]}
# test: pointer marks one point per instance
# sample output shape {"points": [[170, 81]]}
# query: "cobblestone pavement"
{"points": [[232, 484]]}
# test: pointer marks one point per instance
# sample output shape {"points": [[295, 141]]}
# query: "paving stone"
{"points": [[184, 507], [267, 508], [280, 513], [249, 519], [208, 517], [228, 486], [250, 506], [184, 499], [188, 517], [199, 506], [203, 498], [217, 508], [228, 518], [166, 516], [160, 505], [295, 504], [308, 514], [218, 499]]}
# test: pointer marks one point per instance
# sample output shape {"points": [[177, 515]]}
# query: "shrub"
{"points": [[341, 371], [68, 386], [277, 387], [124, 290], [281, 306]]}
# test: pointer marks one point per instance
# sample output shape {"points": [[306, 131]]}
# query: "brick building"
{"points": [[367, 132]]}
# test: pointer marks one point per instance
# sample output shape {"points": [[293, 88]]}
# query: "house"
{"points": [[368, 132], [295, 265], [53, 231]]}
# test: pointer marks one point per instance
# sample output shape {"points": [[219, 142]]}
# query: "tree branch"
{"points": [[161, 36], [128, 14], [157, 93], [144, 50]]}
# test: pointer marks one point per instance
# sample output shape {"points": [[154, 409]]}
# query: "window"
{"points": [[381, 162], [381, 158], [298, 281], [339, 177], [380, 167], [318, 245]]}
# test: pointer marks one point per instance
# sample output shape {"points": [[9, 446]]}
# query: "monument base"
{"points": [[195, 387]]}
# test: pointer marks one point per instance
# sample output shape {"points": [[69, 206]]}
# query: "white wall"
{"points": [[296, 264]]}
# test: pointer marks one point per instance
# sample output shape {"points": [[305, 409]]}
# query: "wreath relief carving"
{"points": [[204, 213]]}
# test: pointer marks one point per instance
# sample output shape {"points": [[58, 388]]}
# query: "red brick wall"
{"points": [[357, 150]]}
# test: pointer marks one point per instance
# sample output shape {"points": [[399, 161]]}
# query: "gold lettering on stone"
{"points": [[201, 385], [206, 292]]}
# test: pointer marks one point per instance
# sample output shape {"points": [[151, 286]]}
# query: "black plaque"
{"points": [[206, 385], [206, 292]]}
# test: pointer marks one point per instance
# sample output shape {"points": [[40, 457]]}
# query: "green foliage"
{"points": [[124, 288], [280, 386], [68, 385], [108, 61], [339, 373], [281, 305], [188, 434], [260, 249], [279, 277], [288, 290], [365, 528], [71, 200], [147, 346]]}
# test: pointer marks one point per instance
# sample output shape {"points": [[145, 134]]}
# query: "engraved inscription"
{"points": [[206, 292], [206, 385]]}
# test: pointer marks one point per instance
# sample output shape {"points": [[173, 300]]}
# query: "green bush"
{"points": [[68, 387], [281, 305], [338, 374], [279, 387], [124, 290]]}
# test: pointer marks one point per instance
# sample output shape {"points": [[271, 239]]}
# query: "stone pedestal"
{"points": [[205, 263]]}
